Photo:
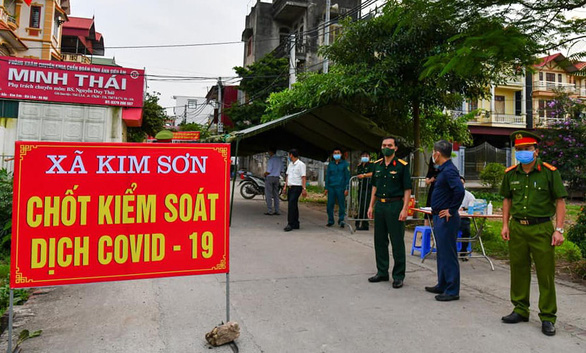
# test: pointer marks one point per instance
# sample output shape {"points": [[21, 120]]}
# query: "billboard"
{"points": [[94, 212], [58, 81]]}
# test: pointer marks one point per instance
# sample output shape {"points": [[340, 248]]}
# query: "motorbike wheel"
{"points": [[248, 191], [282, 197]]}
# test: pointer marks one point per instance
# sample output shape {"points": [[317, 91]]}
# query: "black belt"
{"points": [[390, 199], [532, 221]]}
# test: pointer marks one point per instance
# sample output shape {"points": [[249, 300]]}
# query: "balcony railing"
{"points": [[550, 86], [283, 50], [486, 118], [582, 92], [76, 58], [544, 122]]}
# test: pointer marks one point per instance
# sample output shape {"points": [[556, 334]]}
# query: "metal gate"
{"points": [[478, 157]]}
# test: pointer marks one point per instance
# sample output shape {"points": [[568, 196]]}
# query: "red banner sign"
{"points": [[94, 212], [58, 81], [185, 135]]}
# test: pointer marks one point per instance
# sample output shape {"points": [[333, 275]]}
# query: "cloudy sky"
{"points": [[148, 22]]}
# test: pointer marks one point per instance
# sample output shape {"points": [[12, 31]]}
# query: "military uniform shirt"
{"points": [[533, 195], [364, 168], [391, 180]]}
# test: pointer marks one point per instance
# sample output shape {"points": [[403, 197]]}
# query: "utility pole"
{"points": [[185, 114], [219, 124], [327, 33], [292, 60]]}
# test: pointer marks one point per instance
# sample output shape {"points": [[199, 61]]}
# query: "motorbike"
{"points": [[251, 185]]}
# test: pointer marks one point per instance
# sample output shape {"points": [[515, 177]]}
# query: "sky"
{"points": [[161, 22]]}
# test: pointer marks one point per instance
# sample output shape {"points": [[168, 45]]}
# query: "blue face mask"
{"points": [[364, 159], [525, 157], [337, 156]]}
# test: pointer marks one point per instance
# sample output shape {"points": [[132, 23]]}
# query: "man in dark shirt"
{"points": [[447, 197]]}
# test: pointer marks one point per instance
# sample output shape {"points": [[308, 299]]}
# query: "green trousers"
{"points": [[387, 225], [528, 242]]}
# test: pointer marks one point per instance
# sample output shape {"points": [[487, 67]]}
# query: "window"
{"points": [[56, 24], [541, 76], [8, 109], [192, 104], [35, 17], [560, 78], [499, 104], [549, 77], [249, 47], [545, 109], [472, 105]]}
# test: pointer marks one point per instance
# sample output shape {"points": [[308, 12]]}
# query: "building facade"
{"points": [[269, 26]]}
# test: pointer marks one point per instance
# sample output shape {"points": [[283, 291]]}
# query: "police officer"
{"points": [[364, 172], [391, 190], [533, 192]]}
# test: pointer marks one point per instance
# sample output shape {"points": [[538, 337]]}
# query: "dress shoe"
{"points": [[269, 213], [342, 225], [377, 278], [277, 214], [288, 228], [548, 328], [296, 227], [514, 318], [329, 224], [398, 283], [434, 289], [446, 297]]}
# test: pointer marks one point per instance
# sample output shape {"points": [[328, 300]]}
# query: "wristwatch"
{"points": [[561, 230]]}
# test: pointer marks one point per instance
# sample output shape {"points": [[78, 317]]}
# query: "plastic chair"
{"points": [[463, 246], [425, 246]]}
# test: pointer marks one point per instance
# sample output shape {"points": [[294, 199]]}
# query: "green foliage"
{"points": [[492, 175], [488, 196], [564, 142], [259, 80], [204, 131], [568, 251], [153, 119], [25, 335], [577, 233], [20, 295], [5, 211]]}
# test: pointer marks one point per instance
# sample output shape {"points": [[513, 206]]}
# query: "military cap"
{"points": [[164, 135], [522, 138]]}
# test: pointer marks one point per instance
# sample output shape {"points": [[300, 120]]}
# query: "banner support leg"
{"points": [[227, 296], [10, 315]]}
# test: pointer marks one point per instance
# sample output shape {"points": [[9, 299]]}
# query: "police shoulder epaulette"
{"points": [[510, 168], [402, 162], [377, 161], [549, 166]]}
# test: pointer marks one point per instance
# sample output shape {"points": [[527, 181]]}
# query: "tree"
{"points": [[204, 130], [564, 140], [392, 69], [259, 80], [153, 119]]}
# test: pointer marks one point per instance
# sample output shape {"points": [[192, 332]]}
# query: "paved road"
{"points": [[302, 291]]}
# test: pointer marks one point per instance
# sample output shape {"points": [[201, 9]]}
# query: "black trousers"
{"points": [[293, 194]]}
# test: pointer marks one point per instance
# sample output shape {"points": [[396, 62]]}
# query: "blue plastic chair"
{"points": [[464, 246], [425, 246]]}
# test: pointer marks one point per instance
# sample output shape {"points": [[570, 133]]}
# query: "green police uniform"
{"points": [[390, 181], [533, 197], [364, 194]]}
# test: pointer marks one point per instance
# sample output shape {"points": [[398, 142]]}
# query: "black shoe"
{"points": [[342, 225], [434, 289], [548, 328], [295, 227], [288, 228], [277, 214], [446, 297], [514, 318], [329, 224], [269, 213], [377, 278], [398, 283]]}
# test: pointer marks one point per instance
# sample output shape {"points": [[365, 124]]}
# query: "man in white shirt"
{"points": [[295, 187]]}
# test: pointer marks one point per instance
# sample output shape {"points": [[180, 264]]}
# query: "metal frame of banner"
{"points": [[231, 211]]}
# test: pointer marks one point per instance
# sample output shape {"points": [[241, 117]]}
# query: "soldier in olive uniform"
{"points": [[364, 173], [391, 190], [533, 192]]}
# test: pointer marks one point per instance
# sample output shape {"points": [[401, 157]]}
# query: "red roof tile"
{"points": [[580, 65], [79, 23], [547, 60]]}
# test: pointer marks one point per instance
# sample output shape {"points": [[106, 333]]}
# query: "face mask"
{"points": [[387, 152], [434, 160], [525, 157], [364, 159], [337, 156]]}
